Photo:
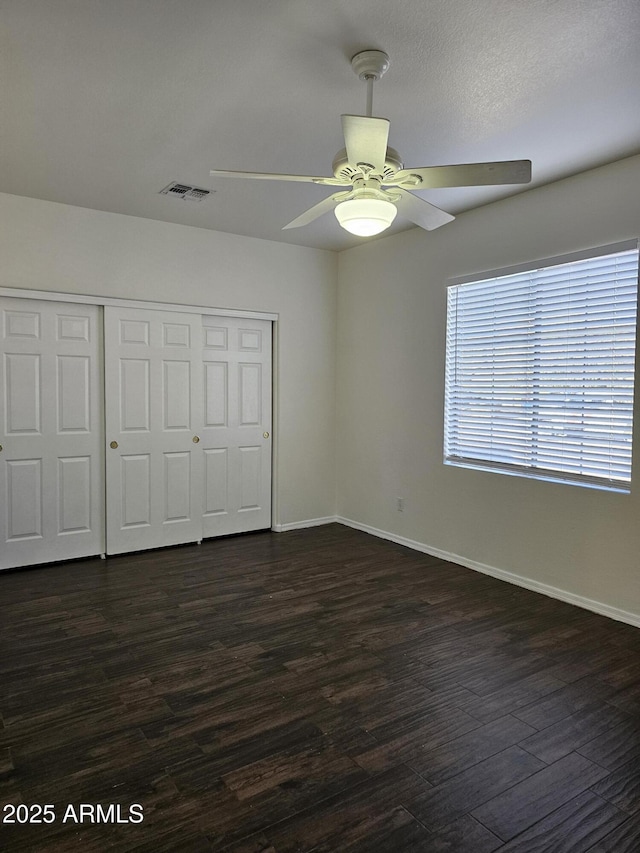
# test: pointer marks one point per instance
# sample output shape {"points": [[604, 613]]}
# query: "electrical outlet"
{"points": [[400, 504]]}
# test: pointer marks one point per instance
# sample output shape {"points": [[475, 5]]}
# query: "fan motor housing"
{"points": [[347, 171]]}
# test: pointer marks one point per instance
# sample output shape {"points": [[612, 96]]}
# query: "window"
{"points": [[540, 368]]}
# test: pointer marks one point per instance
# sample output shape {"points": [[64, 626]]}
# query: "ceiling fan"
{"points": [[379, 185]]}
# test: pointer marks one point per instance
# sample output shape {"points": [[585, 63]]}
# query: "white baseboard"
{"points": [[309, 522], [518, 580]]}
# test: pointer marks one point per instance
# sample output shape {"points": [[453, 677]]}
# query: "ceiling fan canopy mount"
{"points": [[370, 64]]}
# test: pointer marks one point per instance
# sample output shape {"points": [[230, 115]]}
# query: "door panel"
{"points": [[250, 394], [74, 485], [23, 395], [177, 395], [178, 507], [216, 481], [237, 408], [135, 498], [51, 492], [74, 404], [24, 499], [216, 393], [154, 406], [20, 323], [250, 486], [135, 395], [73, 328]]}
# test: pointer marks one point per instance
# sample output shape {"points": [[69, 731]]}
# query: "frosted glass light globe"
{"points": [[365, 217]]}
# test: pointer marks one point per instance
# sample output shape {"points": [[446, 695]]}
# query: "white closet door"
{"points": [[236, 437], [51, 473], [153, 398]]}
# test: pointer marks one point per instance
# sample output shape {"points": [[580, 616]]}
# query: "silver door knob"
{"points": [[265, 435]]}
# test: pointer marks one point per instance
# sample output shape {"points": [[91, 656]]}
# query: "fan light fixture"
{"points": [[378, 184], [365, 217]]}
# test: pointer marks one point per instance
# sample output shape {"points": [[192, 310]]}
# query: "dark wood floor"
{"points": [[319, 690]]}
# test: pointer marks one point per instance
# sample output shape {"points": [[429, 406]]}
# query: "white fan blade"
{"points": [[424, 214], [365, 139], [272, 176], [314, 212], [464, 175]]}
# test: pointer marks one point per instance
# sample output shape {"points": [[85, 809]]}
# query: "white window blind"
{"points": [[540, 370]]}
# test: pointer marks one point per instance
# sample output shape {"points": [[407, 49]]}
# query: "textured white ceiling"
{"points": [[104, 102]]}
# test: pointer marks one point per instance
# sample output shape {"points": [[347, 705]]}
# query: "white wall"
{"points": [[45, 246], [390, 391]]}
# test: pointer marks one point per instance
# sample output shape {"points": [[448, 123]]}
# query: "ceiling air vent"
{"points": [[185, 191]]}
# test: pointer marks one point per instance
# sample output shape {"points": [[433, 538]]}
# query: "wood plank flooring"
{"points": [[318, 690]]}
